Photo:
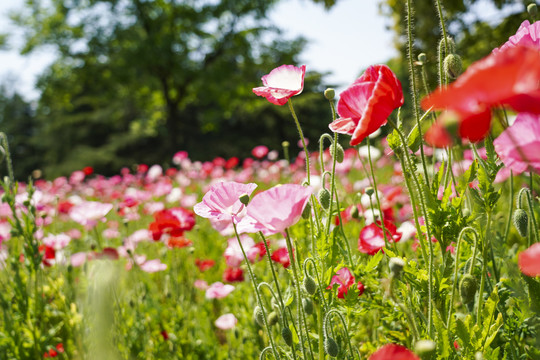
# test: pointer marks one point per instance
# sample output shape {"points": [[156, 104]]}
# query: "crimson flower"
{"points": [[371, 239], [345, 279], [172, 221], [393, 352], [233, 275], [281, 256], [529, 260], [282, 83], [510, 77], [366, 104], [204, 265]]}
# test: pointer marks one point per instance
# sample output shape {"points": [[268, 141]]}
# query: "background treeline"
{"points": [[137, 80]]}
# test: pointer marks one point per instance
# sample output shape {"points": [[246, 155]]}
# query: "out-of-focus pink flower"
{"points": [[57, 242], [226, 322], [78, 259], [274, 210], [221, 202], [218, 290], [393, 352], [371, 239], [179, 156], [152, 266], [205, 264], [200, 284], [345, 279], [527, 35], [259, 151], [88, 213], [281, 256], [233, 253], [519, 145], [529, 260], [364, 107], [232, 274], [282, 83]]}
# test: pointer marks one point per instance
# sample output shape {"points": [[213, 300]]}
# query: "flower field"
{"points": [[416, 239]]}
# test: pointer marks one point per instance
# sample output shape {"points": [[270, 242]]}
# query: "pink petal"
{"points": [[226, 322], [529, 260], [152, 266], [344, 125], [287, 77], [78, 259], [221, 201]]}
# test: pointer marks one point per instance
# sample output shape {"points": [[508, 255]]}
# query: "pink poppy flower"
{"points": [[274, 210], [221, 202], [218, 290], [529, 260], [364, 106], [259, 151], [88, 213], [152, 266], [345, 279], [233, 253], [527, 35], [282, 83], [371, 239], [394, 352], [226, 322], [519, 145]]}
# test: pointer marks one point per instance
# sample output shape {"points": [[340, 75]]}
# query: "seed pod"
{"points": [[258, 316], [307, 304], [309, 285], [244, 199], [273, 318], [453, 65], [340, 154], [467, 288], [286, 334], [329, 94], [521, 221], [331, 347], [324, 198]]}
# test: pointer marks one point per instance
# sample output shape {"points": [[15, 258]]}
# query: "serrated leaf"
{"points": [[493, 330], [462, 331], [373, 262], [393, 140], [414, 140], [294, 334]]}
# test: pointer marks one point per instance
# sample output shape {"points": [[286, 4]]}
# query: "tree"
{"points": [[138, 80]]}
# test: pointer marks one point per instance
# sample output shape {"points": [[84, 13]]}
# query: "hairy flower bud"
{"points": [[307, 211], [521, 221], [340, 154], [258, 316], [307, 304], [286, 334], [370, 191], [467, 288], [273, 318], [329, 93], [396, 266], [324, 198], [309, 285], [331, 347], [422, 58], [453, 66]]}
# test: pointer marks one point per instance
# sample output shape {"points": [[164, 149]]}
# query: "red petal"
{"points": [[393, 352], [529, 260]]}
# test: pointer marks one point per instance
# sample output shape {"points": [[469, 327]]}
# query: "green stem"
{"points": [[5, 144], [531, 211], [443, 27], [340, 316], [301, 133], [510, 207], [484, 271], [405, 310]]}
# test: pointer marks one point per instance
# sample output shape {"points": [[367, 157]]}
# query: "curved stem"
{"points": [[301, 133], [405, 310], [327, 317]]}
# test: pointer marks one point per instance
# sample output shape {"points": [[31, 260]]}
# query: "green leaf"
{"points": [[414, 140], [462, 331], [294, 334], [373, 262]]}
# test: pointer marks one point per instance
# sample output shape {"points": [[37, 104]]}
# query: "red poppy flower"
{"points": [[233, 275], [204, 265], [88, 170], [178, 242], [281, 256], [509, 78], [529, 260], [393, 352], [345, 279], [171, 221], [366, 104], [438, 136], [371, 239]]}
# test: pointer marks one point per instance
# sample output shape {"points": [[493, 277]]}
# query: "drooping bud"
{"points": [[307, 211], [286, 334], [453, 66], [324, 198], [532, 9], [244, 199], [521, 221], [467, 288], [396, 266], [422, 58], [258, 316], [307, 304], [340, 154], [424, 348], [331, 347], [273, 318], [309, 285], [329, 94]]}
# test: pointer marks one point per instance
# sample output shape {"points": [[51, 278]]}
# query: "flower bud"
{"points": [[396, 266], [453, 66], [329, 94], [467, 288], [273, 318], [286, 334], [331, 347], [424, 348], [532, 9], [521, 221], [258, 316], [309, 285], [324, 198], [307, 304], [244, 199], [422, 58], [340, 154], [370, 191], [307, 211], [355, 214]]}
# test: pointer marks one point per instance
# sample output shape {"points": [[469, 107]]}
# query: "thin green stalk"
{"points": [[5, 144], [443, 27], [531, 211], [301, 133], [510, 207], [340, 316], [405, 309], [485, 246]]}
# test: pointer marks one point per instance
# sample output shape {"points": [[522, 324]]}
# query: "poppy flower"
{"points": [[527, 35], [371, 239], [172, 221], [274, 210], [519, 145], [529, 260], [233, 275], [345, 279], [281, 256], [508, 78], [437, 136], [364, 106], [204, 265], [282, 83], [259, 151], [394, 352], [88, 213], [226, 322], [218, 290]]}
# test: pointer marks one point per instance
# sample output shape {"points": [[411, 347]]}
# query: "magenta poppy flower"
{"points": [[371, 239], [282, 83], [519, 145], [259, 151], [221, 202], [394, 352], [345, 279], [527, 35], [364, 106], [529, 260], [274, 210]]}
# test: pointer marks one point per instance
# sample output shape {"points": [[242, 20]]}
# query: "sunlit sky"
{"points": [[342, 41]]}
